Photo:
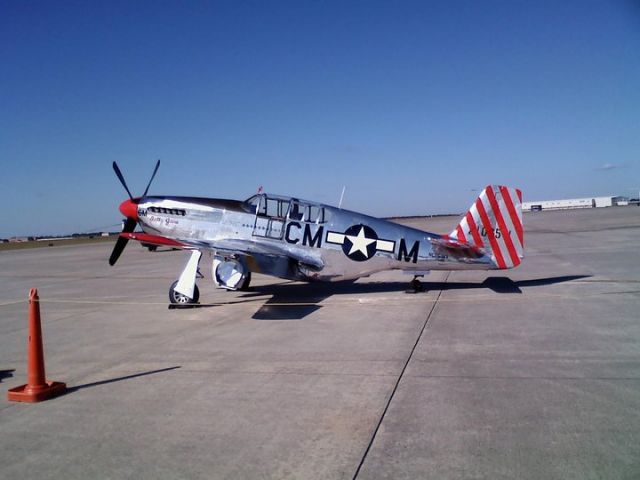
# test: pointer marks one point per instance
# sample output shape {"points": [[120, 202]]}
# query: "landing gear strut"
{"points": [[184, 291]]}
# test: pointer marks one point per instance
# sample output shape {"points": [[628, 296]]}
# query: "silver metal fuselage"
{"points": [[298, 239]]}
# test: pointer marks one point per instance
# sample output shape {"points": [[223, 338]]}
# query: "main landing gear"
{"points": [[179, 298], [228, 273], [231, 273], [184, 291]]}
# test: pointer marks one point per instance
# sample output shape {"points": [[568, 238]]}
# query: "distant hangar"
{"points": [[588, 202]]}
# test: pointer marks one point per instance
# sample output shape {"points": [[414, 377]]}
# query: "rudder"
{"points": [[494, 224]]}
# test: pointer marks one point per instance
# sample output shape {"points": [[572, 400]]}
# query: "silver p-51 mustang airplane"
{"points": [[302, 240]]}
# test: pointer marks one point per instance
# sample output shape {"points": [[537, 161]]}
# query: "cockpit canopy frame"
{"points": [[287, 208]]}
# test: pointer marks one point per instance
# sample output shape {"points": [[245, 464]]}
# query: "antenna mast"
{"points": [[344, 187]]}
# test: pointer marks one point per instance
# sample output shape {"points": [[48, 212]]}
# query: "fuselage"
{"points": [[347, 244]]}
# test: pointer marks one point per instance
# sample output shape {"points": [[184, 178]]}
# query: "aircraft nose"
{"points": [[129, 208]]}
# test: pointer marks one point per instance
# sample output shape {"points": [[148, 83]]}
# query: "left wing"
{"points": [[233, 246]]}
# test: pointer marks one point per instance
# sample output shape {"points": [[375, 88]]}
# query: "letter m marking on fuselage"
{"points": [[411, 255]]}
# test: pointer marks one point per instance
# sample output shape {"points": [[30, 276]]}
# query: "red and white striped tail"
{"points": [[494, 223]]}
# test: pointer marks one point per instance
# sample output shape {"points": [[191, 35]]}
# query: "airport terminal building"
{"points": [[588, 202]]}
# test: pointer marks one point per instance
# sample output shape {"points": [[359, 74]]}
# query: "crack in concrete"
{"points": [[397, 384]]}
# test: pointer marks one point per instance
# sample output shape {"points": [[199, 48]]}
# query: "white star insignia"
{"points": [[360, 242]]}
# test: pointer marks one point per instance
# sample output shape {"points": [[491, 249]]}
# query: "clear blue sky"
{"points": [[412, 105]]}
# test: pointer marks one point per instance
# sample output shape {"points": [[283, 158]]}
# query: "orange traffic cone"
{"points": [[37, 388]]}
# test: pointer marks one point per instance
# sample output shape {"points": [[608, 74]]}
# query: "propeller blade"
{"points": [[155, 170], [129, 227], [117, 250], [124, 184]]}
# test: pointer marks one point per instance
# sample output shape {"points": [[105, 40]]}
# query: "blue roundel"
{"points": [[359, 242]]}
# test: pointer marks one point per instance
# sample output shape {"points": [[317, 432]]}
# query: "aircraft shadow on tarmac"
{"points": [[6, 374], [296, 301]]}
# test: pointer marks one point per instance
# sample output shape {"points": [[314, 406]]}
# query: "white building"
{"points": [[590, 202]]}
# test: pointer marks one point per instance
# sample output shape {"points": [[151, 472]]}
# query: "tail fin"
{"points": [[494, 223]]}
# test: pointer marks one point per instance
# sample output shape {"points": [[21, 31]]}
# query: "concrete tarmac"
{"points": [[532, 373]]}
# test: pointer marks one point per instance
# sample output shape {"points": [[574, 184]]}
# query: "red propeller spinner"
{"points": [[129, 208]]}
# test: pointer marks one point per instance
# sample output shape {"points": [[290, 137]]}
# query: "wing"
{"points": [[233, 246]]}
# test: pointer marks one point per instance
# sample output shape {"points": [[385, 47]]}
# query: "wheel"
{"points": [[175, 297], [245, 284], [230, 274]]}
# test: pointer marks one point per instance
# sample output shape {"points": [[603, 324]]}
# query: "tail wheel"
{"points": [[417, 285], [176, 297]]}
